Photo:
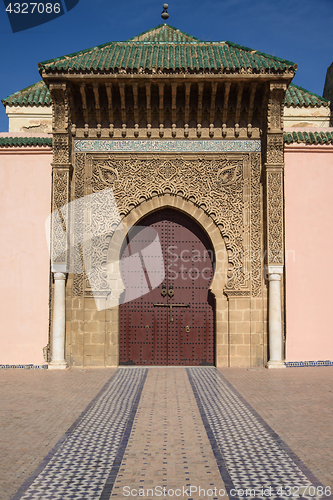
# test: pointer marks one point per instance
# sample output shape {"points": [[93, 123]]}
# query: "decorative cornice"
{"points": [[202, 146]]}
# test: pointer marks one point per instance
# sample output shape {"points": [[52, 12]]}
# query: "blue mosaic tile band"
{"points": [[249, 454], [86, 460], [24, 367], [291, 364], [204, 146]]}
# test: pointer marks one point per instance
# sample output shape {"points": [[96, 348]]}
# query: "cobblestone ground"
{"points": [[37, 407], [168, 444]]}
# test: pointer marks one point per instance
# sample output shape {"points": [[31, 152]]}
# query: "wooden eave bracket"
{"points": [[169, 77]]}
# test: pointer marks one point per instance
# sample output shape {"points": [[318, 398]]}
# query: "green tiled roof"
{"points": [[19, 142], [188, 54], [308, 137], [300, 98], [36, 95], [164, 33]]}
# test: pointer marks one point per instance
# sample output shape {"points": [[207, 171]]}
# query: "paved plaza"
{"points": [[166, 432]]}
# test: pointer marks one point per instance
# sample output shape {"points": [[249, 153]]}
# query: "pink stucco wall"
{"points": [[25, 180], [309, 252]]}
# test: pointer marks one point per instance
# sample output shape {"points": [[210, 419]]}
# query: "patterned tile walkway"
{"points": [[250, 455], [81, 465], [37, 407], [167, 433], [169, 447]]}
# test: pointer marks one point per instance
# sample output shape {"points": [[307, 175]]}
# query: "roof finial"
{"points": [[165, 15]]}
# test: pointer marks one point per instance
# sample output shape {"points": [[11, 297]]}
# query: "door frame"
{"points": [[164, 341], [221, 262]]}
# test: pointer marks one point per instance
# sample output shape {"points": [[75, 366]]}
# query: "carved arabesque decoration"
{"points": [[61, 173], [275, 148], [61, 154], [214, 183], [99, 229], [256, 227], [237, 293], [59, 107], [275, 217], [78, 224], [59, 204], [276, 106]]}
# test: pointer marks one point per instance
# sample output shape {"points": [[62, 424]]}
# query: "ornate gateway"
{"points": [[186, 139], [172, 324]]}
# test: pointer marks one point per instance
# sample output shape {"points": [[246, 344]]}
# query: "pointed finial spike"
{"points": [[165, 15]]}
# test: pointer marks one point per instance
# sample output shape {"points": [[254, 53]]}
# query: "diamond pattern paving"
{"points": [[81, 466], [166, 432], [249, 454]]}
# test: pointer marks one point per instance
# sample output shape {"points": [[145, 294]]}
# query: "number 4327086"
{"points": [[33, 8]]}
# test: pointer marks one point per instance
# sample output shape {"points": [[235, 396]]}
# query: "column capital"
{"points": [[59, 276], [274, 277], [275, 269], [59, 268]]}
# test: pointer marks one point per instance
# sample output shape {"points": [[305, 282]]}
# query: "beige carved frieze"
{"points": [[276, 106], [274, 180], [60, 108], [61, 172], [61, 151], [274, 174], [225, 186], [256, 226], [78, 224], [275, 148], [60, 207], [237, 293]]}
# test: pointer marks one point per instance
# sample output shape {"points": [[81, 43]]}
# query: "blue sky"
{"points": [[298, 30]]}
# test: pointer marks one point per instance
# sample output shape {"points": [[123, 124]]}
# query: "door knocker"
{"points": [[171, 292]]}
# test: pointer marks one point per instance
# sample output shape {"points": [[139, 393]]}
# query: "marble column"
{"points": [[275, 333], [59, 323]]}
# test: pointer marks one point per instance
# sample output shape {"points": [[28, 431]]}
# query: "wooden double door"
{"points": [[167, 314]]}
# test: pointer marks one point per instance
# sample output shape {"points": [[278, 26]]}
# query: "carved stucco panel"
{"points": [[275, 148], [78, 224], [220, 185], [256, 227], [275, 217], [61, 151], [276, 106], [60, 207], [60, 107]]}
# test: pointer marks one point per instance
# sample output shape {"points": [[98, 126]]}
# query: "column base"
{"points": [[276, 364], [57, 365]]}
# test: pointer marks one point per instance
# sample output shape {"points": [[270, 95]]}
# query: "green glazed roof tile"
{"points": [[164, 33], [19, 142], [36, 95], [319, 137], [166, 48], [298, 97]]}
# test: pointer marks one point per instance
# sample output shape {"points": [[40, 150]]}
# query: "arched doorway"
{"points": [[173, 323]]}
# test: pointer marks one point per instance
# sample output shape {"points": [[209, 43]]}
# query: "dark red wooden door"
{"points": [[172, 324]]}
